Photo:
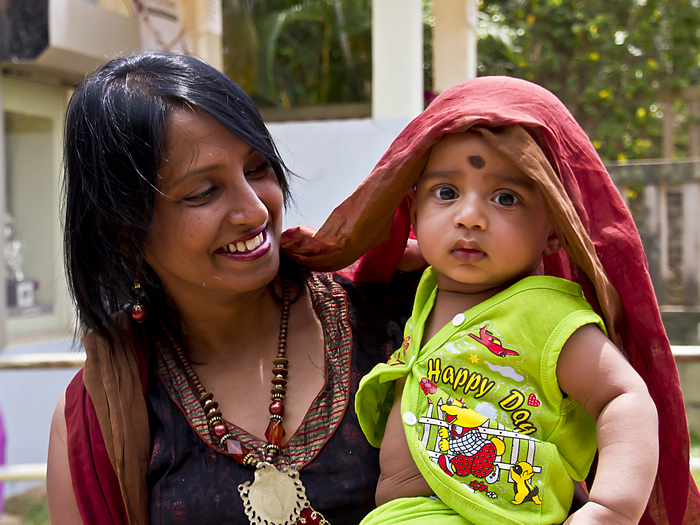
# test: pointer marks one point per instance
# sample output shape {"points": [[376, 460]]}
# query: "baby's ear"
{"points": [[552, 245]]}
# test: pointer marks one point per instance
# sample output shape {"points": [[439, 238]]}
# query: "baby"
{"points": [[503, 372], [508, 382]]}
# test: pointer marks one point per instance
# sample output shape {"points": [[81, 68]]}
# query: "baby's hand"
{"points": [[595, 514]]}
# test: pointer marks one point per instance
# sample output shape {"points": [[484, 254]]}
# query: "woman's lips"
{"points": [[249, 249], [245, 246]]}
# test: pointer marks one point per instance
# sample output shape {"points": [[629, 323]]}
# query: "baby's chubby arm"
{"points": [[593, 371]]}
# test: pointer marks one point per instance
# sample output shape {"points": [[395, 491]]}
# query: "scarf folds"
{"points": [[602, 248], [108, 437]]}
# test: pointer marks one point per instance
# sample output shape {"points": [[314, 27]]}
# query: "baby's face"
{"points": [[480, 221]]}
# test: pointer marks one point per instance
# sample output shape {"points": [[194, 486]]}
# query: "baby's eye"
{"points": [[445, 193], [505, 199]]}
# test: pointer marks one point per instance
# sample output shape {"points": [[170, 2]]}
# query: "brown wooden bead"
{"points": [[210, 405], [279, 381], [279, 390], [215, 414]]}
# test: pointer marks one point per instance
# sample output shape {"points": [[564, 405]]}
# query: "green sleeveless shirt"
{"points": [[485, 420]]}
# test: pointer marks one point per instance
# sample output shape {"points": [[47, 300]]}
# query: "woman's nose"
{"points": [[470, 212], [245, 206]]}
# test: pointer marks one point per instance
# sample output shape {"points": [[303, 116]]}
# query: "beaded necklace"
{"points": [[275, 497]]}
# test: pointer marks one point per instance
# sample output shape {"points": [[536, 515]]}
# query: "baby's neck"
{"points": [[448, 304]]}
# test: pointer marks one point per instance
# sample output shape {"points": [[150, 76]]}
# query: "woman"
{"points": [[211, 361]]}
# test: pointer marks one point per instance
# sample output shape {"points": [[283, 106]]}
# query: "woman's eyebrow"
{"points": [[175, 180], [205, 168], [200, 169]]}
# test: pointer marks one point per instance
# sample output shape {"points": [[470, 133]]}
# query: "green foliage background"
{"points": [[612, 62], [289, 53]]}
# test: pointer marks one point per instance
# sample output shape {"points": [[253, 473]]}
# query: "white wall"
{"points": [[331, 158]]}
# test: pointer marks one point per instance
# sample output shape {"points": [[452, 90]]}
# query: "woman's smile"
{"points": [[247, 249]]}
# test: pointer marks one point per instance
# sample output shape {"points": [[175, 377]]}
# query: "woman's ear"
{"points": [[552, 245]]}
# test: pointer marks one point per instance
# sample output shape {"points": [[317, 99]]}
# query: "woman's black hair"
{"points": [[115, 134]]}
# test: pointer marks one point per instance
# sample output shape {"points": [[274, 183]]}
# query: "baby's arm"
{"points": [[594, 372]]}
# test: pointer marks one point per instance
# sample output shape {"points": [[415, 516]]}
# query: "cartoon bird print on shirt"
{"points": [[492, 342]]}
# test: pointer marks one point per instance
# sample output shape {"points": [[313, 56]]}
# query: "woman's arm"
{"points": [[63, 508], [593, 371]]}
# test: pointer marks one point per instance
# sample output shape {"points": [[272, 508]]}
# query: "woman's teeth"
{"points": [[244, 246]]}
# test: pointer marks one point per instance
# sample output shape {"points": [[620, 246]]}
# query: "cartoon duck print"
{"points": [[492, 342], [469, 452], [524, 491]]}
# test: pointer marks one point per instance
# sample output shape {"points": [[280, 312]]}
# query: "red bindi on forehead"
{"points": [[476, 161]]}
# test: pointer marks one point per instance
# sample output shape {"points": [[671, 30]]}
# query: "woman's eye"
{"points": [[260, 169], [200, 197], [445, 193], [505, 199]]}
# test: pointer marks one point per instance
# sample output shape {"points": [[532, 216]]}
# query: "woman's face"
{"points": [[218, 212]]}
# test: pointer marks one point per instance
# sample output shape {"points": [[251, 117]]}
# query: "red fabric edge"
{"points": [[95, 483], [379, 265]]}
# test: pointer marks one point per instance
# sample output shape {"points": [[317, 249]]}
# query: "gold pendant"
{"points": [[274, 497]]}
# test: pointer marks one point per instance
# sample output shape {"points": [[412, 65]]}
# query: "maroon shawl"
{"points": [[603, 249]]}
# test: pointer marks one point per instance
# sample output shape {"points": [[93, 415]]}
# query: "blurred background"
{"points": [[336, 81]]}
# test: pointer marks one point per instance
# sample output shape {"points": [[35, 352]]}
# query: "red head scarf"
{"points": [[603, 250]]}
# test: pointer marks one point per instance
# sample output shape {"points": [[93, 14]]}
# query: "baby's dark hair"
{"points": [[115, 138]]}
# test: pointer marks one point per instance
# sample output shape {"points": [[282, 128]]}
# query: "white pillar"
{"points": [[397, 58], [454, 42]]}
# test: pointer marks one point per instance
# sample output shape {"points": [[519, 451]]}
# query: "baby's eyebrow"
{"points": [[438, 174], [521, 180], [507, 178]]}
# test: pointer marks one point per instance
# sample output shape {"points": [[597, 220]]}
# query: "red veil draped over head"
{"points": [[603, 251]]}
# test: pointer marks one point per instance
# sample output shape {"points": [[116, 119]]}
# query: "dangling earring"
{"points": [[138, 312]]}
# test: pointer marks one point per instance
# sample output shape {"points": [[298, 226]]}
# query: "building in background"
{"points": [[47, 47]]}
